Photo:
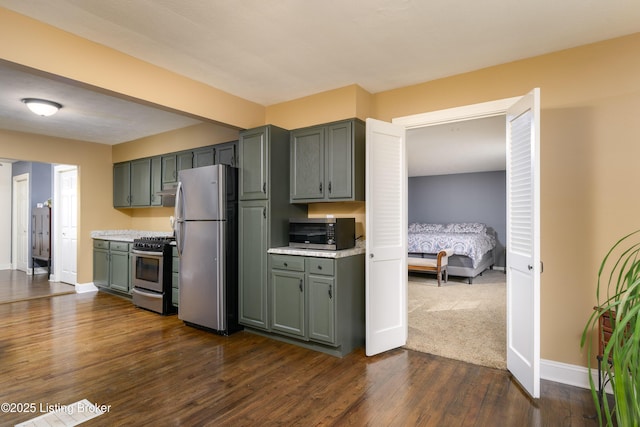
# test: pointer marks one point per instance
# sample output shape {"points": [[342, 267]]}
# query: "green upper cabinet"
{"points": [[327, 162], [307, 163], [254, 164], [122, 184], [141, 182], [132, 185], [156, 180], [226, 154], [136, 183], [174, 163], [203, 157]]}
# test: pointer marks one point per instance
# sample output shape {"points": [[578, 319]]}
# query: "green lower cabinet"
{"points": [[319, 302], [252, 264], [101, 263], [322, 310], [112, 265], [120, 279], [287, 303]]}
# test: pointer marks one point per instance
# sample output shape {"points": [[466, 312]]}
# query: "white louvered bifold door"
{"points": [[386, 221], [523, 242]]}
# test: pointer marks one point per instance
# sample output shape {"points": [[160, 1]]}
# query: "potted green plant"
{"points": [[618, 295]]}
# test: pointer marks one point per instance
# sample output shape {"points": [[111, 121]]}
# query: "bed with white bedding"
{"points": [[473, 245]]}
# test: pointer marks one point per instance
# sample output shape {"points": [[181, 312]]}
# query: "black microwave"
{"points": [[331, 234]]}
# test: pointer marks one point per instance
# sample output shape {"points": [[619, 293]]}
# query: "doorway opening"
{"points": [[41, 185], [457, 154], [457, 199]]}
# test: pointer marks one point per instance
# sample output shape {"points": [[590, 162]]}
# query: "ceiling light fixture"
{"points": [[42, 107]]}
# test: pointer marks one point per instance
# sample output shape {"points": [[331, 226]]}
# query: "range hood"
{"points": [[168, 195]]}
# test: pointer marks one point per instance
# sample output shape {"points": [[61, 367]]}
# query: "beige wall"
{"points": [[95, 189], [187, 138], [343, 103], [589, 145], [51, 50]]}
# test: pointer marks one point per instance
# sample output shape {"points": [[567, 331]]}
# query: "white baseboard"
{"points": [[564, 373], [5, 266], [39, 270], [85, 287]]}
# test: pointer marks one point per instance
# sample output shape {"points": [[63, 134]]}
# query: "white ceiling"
{"points": [[462, 147], [86, 115], [269, 52]]}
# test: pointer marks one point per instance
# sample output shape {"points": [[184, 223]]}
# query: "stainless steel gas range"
{"points": [[151, 274]]}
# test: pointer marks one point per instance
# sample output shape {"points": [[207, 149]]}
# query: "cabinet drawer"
{"points": [[101, 244], [120, 246], [287, 262], [322, 266]]}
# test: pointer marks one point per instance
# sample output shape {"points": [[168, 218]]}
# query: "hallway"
{"points": [[16, 285]]}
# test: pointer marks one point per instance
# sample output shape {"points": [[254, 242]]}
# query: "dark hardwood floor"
{"points": [[16, 285], [154, 370]]}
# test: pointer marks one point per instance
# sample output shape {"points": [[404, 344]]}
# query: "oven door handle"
{"points": [[147, 293], [148, 253]]}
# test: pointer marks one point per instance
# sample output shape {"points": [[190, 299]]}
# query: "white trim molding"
{"points": [[564, 373], [457, 114], [82, 288]]}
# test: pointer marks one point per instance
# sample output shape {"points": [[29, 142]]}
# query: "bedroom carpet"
{"points": [[459, 321]]}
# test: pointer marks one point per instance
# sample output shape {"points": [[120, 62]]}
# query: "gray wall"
{"points": [[40, 180], [469, 197], [40, 185]]}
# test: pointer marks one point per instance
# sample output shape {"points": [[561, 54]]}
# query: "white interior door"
{"points": [[386, 243], [21, 222], [66, 223], [523, 241]]}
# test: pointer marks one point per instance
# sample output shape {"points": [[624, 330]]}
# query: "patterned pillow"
{"points": [[466, 227], [420, 227]]}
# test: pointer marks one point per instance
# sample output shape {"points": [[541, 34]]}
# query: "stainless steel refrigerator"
{"points": [[205, 226]]}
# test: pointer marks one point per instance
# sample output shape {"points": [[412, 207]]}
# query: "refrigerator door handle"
{"points": [[179, 209], [179, 237], [179, 221]]}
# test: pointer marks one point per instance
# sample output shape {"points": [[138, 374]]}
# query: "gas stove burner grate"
{"points": [[152, 243], [160, 239]]}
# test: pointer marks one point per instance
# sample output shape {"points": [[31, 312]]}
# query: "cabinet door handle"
{"points": [[330, 296], [329, 187], [264, 213], [264, 187], [321, 187], [300, 285], [286, 265]]}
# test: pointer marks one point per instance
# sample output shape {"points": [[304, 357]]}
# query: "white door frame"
{"points": [[457, 114], [57, 228], [463, 113], [14, 220]]}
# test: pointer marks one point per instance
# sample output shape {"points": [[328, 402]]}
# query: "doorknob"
{"points": [[530, 267], [370, 255]]}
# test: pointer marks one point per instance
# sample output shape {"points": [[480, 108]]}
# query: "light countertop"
{"points": [[126, 235], [287, 250]]}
